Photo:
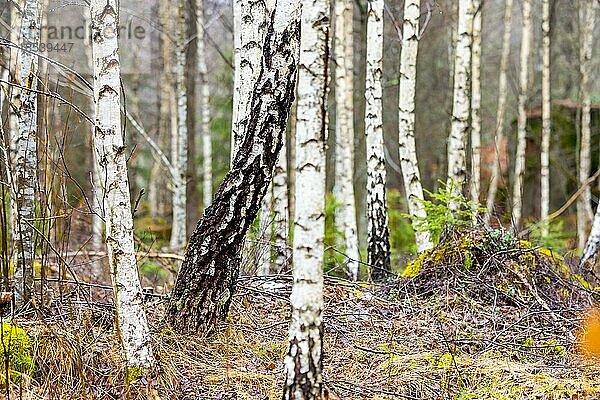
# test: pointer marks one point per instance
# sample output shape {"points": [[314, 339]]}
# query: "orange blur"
{"points": [[589, 340]]}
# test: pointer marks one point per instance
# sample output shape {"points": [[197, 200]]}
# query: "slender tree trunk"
{"points": [[204, 96], [26, 154], [475, 182], [158, 183], [522, 116], [111, 156], [584, 202], [344, 132], [249, 29], [303, 363], [546, 120], [591, 250], [179, 160], [457, 167], [378, 236], [406, 118], [205, 284], [502, 94], [263, 245], [280, 208]]}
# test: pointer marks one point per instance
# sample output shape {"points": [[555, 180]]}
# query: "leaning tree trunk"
{"points": [[502, 94], [111, 156], [179, 144], [205, 283], [457, 168], [304, 363], [475, 182], [584, 202], [344, 133], [378, 235], [406, 119], [517, 201], [249, 28], [546, 120], [25, 176], [204, 97]]}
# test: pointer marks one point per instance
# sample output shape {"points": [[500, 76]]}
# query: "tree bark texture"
{"points": [[475, 181], [25, 176], [546, 120], [207, 277], [406, 119], [457, 167], [378, 236], [303, 363]]}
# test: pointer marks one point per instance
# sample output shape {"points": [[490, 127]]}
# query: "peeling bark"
{"points": [[206, 281], [111, 157]]}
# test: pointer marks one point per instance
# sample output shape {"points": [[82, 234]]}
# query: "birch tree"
{"points": [[179, 137], [475, 181], [303, 362], [263, 246], [517, 201], [500, 112], [344, 133], [204, 96], [378, 242], [206, 281], [584, 202], [280, 208], [457, 168], [546, 120], [25, 176], [249, 28], [111, 157], [406, 118]]}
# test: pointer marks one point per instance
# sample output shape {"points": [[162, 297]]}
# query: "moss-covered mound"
{"points": [[500, 288]]}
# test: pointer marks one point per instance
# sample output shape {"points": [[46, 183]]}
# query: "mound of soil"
{"points": [[500, 290]]}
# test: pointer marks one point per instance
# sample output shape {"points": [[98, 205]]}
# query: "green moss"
{"points": [[134, 373], [413, 268], [17, 350]]}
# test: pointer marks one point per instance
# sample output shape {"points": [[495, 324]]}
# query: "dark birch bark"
{"points": [[206, 281]]}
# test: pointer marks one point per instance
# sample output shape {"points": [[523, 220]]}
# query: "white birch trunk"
{"points": [[584, 202], [25, 176], [204, 96], [406, 119], [280, 209], [303, 363], [475, 182], [517, 201], [263, 245], [500, 112], [249, 24], [591, 247], [179, 144], [111, 156], [378, 237], [457, 141], [546, 120], [344, 132]]}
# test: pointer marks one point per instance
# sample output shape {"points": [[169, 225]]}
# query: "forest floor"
{"points": [[470, 320]]}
